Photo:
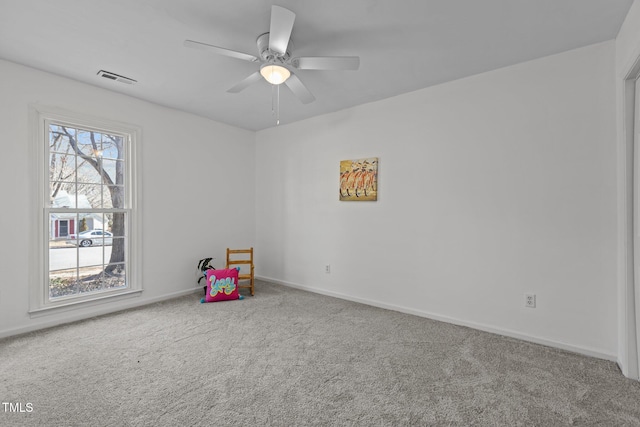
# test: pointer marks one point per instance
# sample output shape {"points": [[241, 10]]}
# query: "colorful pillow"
{"points": [[222, 285]]}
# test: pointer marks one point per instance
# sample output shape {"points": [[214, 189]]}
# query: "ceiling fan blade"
{"points": [[327, 63], [219, 50], [299, 89], [246, 82], [280, 29]]}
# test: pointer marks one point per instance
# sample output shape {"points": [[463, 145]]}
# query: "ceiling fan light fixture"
{"points": [[275, 74]]}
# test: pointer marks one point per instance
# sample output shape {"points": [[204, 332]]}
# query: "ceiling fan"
{"points": [[277, 65]]}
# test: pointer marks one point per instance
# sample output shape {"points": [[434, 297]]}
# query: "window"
{"points": [[64, 228], [87, 211]]}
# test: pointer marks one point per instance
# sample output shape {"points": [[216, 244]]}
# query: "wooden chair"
{"points": [[246, 257]]}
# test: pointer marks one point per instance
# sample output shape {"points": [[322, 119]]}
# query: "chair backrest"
{"points": [[239, 257]]}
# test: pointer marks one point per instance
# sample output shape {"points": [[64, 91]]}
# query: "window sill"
{"points": [[75, 305]]}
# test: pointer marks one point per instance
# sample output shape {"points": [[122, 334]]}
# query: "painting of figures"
{"points": [[359, 179]]}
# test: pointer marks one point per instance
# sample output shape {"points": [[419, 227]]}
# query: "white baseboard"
{"points": [[474, 325], [98, 311]]}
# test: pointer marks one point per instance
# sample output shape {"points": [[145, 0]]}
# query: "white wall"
{"points": [[190, 210], [489, 187], [627, 53]]}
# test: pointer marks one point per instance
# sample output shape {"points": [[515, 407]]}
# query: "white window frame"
{"points": [[40, 302]]}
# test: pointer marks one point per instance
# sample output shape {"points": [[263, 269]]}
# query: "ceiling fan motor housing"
{"points": [[267, 54]]}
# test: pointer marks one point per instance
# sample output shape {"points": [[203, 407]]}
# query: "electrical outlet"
{"points": [[530, 300], [327, 269]]}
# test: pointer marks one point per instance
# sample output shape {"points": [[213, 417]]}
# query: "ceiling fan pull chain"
{"points": [[277, 105], [273, 100]]}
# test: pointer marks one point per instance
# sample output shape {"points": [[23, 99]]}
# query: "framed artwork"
{"points": [[359, 179]]}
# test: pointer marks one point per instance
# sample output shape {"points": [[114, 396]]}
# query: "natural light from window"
{"points": [[87, 213]]}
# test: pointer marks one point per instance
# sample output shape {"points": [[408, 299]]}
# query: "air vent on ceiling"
{"points": [[112, 76]]}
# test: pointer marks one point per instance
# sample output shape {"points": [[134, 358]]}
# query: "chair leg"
{"points": [[252, 280]]}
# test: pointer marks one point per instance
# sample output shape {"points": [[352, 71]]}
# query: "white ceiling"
{"points": [[403, 45]]}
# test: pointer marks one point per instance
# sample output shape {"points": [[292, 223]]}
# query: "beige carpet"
{"points": [[291, 358]]}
